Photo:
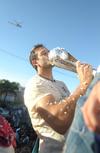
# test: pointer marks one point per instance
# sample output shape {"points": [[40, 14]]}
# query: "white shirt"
{"points": [[37, 88]]}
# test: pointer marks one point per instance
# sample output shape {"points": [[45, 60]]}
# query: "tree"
{"points": [[8, 87]]}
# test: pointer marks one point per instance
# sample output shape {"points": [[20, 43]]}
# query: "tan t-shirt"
{"points": [[36, 88]]}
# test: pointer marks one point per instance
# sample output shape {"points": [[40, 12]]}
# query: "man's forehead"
{"points": [[41, 49]]}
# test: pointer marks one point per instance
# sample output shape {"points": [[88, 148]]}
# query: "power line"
{"points": [[11, 54]]}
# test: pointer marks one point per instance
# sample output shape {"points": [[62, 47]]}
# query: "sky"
{"points": [[70, 24]]}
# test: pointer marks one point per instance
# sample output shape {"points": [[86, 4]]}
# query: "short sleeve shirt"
{"points": [[36, 88]]}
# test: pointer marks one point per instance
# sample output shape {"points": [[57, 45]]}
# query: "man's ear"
{"points": [[34, 62]]}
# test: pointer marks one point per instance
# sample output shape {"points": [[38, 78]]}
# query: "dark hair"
{"points": [[33, 54]]}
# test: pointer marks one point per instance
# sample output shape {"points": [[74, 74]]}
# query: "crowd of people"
{"points": [[64, 122], [15, 128]]}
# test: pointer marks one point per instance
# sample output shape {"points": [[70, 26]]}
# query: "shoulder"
{"points": [[34, 82], [35, 88]]}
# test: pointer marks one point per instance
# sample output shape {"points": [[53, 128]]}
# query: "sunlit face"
{"points": [[42, 57]]}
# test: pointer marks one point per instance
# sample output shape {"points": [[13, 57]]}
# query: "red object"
{"points": [[7, 135]]}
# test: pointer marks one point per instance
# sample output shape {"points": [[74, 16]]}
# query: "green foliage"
{"points": [[8, 87]]}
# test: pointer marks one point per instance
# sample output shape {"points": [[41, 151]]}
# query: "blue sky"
{"points": [[71, 24]]}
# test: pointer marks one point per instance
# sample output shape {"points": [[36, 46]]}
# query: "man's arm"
{"points": [[59, 115]]}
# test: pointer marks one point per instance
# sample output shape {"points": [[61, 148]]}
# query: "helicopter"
{"points": [[15, 23]]}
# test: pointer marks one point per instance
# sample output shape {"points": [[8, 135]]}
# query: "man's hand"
{"points": [[91, 109], [85, 73]]}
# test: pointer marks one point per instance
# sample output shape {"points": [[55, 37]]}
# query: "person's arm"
{"points": [[60, 115], [91, 109]]}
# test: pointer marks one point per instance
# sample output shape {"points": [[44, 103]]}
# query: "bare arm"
{"points": [[60, 115]]}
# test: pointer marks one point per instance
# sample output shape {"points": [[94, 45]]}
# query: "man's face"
{"points": [[42, 57]]}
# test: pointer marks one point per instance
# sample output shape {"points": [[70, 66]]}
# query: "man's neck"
{"points": [[46, 74]]}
